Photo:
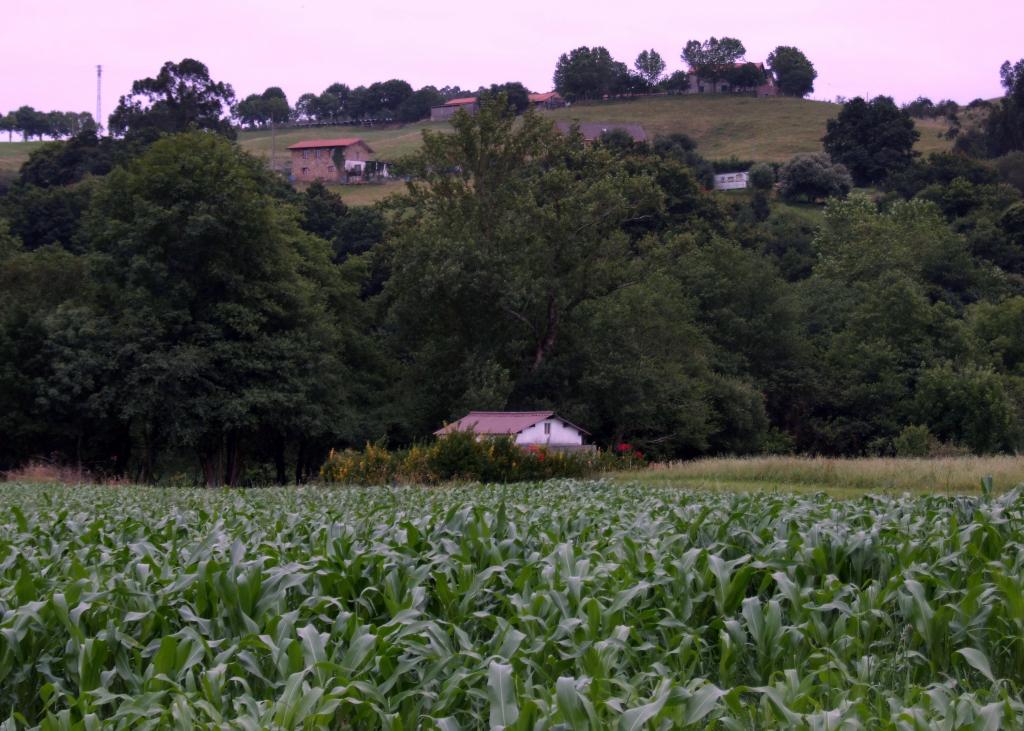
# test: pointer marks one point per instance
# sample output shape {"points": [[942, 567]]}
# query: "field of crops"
{"points": [[567, 605]]}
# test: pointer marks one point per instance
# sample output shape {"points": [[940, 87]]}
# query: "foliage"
{"points": [[1011, 169], [564, 605], [914, 441], [507, 231], [588, 73], [261, 110], [873, 139], [714, 58], [208, 329], [813, 176], [649, 66], [462, 456], [761, 176], [514, 93], [1004, 127], [794, 73], [179, 98], [417, 105], [745, 76]]}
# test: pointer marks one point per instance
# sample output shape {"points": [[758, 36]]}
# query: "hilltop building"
{"points": [[344, 160], [529, 428], [703, 86], [447, 110]]}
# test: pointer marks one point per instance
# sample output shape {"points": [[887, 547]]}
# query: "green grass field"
{"points": [[839, 478], [554, 606]]}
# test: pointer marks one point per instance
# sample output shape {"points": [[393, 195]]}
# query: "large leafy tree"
{"points": [[505, 236], [794, 72], [1004, 129], [649, 66], [873, 139], [208, 296], [182, 96], [589, 73], [713, 59]]}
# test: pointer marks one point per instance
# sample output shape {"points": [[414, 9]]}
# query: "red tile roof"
{"points": [[544, 97], [461, 101], [341, 142], [500, 422]]}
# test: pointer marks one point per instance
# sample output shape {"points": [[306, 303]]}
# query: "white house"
{"points": [[542, 428], [730, 181]]}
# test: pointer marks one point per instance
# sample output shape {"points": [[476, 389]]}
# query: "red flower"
{"points": [[623, 447]]}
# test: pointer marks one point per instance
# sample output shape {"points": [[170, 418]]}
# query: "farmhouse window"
{"points": [[305, 154], [547, 427], [305, 171]]}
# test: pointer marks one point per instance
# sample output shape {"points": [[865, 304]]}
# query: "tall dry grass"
{"points": [[939, 475]]}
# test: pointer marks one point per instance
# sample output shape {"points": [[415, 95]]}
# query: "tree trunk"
{"points": [[279, 462], [232, 460], [300, 453], [211, 460], [547, 343]]}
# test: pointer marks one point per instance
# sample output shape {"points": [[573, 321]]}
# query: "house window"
{"points": [[331, 169], [305, 171], [305, 154], [547, 428]]}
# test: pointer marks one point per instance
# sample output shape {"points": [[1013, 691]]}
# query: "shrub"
{"points": [[761, 176], [813, 176], [461, 456], [914, 441]]}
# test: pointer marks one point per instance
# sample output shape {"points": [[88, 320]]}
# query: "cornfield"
{"points": [[563, 605]]}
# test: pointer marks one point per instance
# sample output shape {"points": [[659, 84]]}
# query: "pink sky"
{"points": [[903, 48]]}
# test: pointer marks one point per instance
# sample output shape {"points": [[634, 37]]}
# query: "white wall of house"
{"points": [[730, 181], [558, 432]]}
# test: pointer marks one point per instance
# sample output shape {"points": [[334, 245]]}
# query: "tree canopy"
{"points": [[794, 72], [712, 59], [872, 139], [589, 73], [182, 96]]}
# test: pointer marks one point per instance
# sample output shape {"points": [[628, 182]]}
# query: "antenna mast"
{"points": [[99, 123]]}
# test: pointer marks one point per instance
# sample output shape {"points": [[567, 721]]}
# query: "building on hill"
{"points": [[345, 160], [547, 100], [529, 428], [698, 85], [592, 131], [447, 110]]}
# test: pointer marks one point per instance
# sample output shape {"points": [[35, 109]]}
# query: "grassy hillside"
{"points": [[723, 126], [772, 129]]}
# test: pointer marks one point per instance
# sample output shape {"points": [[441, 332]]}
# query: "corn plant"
{"points": [[558, 605]]}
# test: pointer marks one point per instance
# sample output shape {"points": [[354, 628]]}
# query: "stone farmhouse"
{"points": [[547, 100], [444, 112], [703, 86], [529, 428], [342, 160]]}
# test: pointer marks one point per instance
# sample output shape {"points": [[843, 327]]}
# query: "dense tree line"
{"points": [[169, 305], [28, 123], [592, 72]]}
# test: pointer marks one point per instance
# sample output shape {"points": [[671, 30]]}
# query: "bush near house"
{"points": [[461, 456]]}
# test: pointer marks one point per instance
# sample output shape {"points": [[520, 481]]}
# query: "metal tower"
{"points": [[99, 117]]}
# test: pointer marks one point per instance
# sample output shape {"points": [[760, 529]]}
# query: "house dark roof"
{"points": [[737, 64], [500, 422], [341, 142], [591, 131]]}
